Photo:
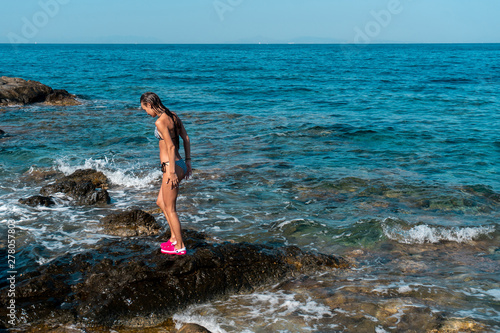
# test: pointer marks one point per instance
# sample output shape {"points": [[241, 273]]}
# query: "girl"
{"points": [[168, 129]]}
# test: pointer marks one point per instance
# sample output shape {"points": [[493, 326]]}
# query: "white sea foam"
{"points": [[480, 293], [282, 224], [116, 175], [424, 233], [211, 323], [480, 313], [196, 218], [11, 208], [275, 305], [380, 329], [495, 293], [402, 287], [262, 310]]}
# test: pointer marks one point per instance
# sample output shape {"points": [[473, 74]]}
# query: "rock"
{"points": [[130, 223], [456, 325], [19, 91], [86, 187], [97, 178], [15, 91], [61, 97], [193, 328], [482, 190], [38, 200], [35, 175], [2, 133], [130, 282]]}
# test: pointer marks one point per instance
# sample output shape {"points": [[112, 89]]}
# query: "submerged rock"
{"points": [[15, 91], [130, 223], [86, 187], [456, 325], [37, 200], [131, 283], [483, 191]]}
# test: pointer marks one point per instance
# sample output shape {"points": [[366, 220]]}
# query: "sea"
{"points": [[386, 155]]}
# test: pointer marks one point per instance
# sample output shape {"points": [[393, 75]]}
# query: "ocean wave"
{"points": [[268, 311], [117, 175], [402, 232], [209, 322]]}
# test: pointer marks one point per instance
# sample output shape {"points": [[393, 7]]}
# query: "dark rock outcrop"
{"points": [[86, 187], [130, 223], [15, 91], [130, 282], [37, 200]]}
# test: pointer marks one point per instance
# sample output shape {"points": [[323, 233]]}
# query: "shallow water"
{"points": [[387, 155]]}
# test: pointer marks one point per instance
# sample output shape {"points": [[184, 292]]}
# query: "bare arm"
{"points": [[187, 149]]}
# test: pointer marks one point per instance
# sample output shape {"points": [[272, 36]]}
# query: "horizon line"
{"points": [[254, 43]]}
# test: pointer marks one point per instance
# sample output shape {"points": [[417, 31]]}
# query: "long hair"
{"points": [[158, 107]]}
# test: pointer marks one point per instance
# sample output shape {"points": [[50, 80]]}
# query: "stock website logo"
{"points": [[31, 27], [223, 6]]}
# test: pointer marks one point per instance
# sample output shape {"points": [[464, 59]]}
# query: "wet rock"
{"points": [[374, 189], [97, 178], [2, 133], [130, 223], [122, 280], [86, 187], [482, 190], [409, 319], [154, 211], [457, 325], [15, 91], [18, 91], [410, 266], [350, 184], [37, 200], [61, 97], [423, 203], [40, 175], [193, 328], [61, 328]]}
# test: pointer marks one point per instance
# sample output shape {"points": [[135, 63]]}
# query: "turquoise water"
{"points": [[369, 151]]}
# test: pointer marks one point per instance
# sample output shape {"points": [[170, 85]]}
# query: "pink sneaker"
{"points": [[168, 244], [173, 250]]}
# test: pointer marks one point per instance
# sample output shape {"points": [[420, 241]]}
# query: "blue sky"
{"points": [[250, 21]]}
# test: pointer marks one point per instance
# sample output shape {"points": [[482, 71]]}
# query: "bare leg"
{"points": [[160, 203], [170, 207]]}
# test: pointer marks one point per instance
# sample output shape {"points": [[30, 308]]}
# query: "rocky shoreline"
{"points": [[127, 282], [130, 283], [17, 91]]}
